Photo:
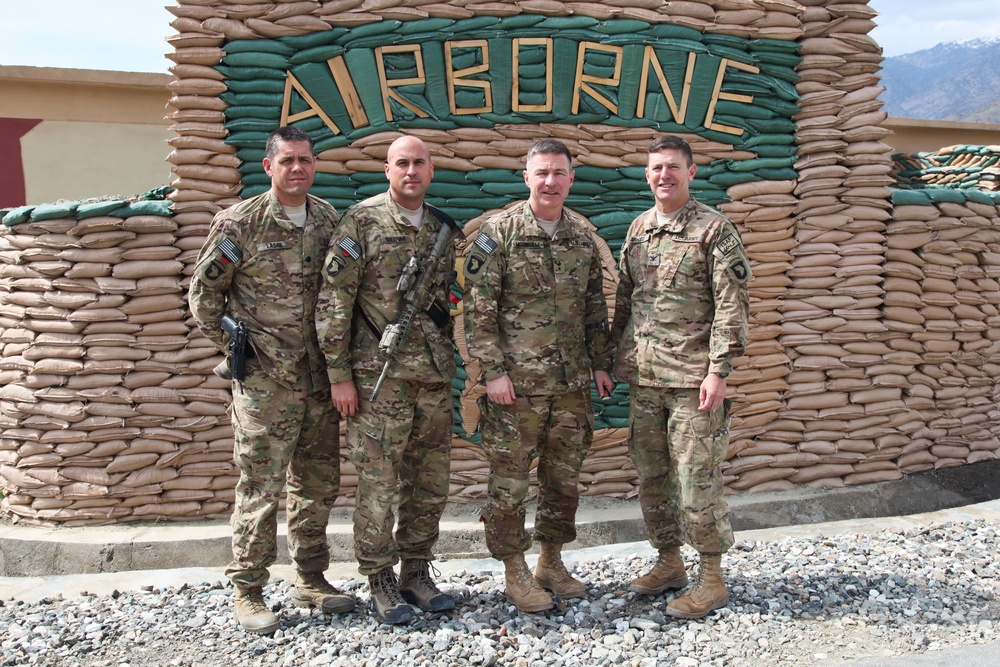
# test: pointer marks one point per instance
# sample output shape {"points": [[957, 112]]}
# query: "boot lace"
{"points": [[421, 576], [385, 583]]}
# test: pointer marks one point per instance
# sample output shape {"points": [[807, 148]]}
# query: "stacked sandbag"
{"points": [[942, 295], [821, 314], [961, 166], [108, 405]]}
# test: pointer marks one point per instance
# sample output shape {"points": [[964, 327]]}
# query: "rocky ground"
{"points": [[806, 601]]}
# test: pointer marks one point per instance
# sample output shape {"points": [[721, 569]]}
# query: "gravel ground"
{"points": [[805, 601]]}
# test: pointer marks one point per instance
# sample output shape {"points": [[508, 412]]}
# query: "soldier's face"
{"points": [[548, 177], [292, 170], [669, 177], [409, 169]]}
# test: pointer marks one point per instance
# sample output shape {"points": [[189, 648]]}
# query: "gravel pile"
{"points": [[808, 601]]}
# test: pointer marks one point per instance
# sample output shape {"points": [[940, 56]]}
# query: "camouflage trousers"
{"points": [[404, 439], [677, 450], [282, 436], [558, 430]]}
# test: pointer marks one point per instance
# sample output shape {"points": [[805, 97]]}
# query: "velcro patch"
{"points": [[487, 244], [230, 251], [727, 244], [350, 247]]}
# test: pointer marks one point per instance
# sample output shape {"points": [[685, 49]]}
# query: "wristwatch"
{"points": [[721, 375]]}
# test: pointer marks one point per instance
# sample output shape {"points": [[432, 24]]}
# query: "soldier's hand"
{"points": [[500, 390], [712, 393], [345, 397], [605, 385]]}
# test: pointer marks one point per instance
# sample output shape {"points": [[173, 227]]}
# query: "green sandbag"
{"points": [[377, 28], [17, 216], [299, 43], [621, 27], [94, 209], [428, 25], [252, 73], [54, 211], [271, 112], [273, 86], [258, 46], [317, 54], [256, 59], [614, 219], [252, 99], [252, 125], [474, 23], [935, 194], [159, 207], [495, 176]]}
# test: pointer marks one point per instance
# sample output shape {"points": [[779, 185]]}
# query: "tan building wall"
{"points": [[88, 134], [914, 136]]}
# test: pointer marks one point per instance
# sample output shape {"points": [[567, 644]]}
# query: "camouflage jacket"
{"points": [[359, 298], [259, 267], [682, 305], [534, 305]]}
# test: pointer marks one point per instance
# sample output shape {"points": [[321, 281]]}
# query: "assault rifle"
{"points": [[416, 283], [238, 343]]}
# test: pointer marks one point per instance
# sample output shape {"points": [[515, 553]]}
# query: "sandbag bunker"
{"points": [[874, 304]]}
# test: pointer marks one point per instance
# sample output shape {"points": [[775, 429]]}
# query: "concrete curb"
{"points": [[27, 551]]}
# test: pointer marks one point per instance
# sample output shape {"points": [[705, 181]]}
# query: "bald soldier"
{"points": [[404, 436]]}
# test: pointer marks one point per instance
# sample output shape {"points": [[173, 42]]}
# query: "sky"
{"points": [[130, 35]]}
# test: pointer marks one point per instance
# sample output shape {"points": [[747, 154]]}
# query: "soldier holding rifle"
{"points": [[384, 323]]}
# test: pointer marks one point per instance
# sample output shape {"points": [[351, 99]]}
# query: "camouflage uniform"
{"points": [[259, 268], [681, 312], [535, 310], [405, 434]]}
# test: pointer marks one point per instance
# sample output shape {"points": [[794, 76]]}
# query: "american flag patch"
{"points": [[350, 247], [230, 251], [485, 243]]}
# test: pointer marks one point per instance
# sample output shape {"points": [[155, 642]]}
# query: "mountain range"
{"points": [[953, 81]]}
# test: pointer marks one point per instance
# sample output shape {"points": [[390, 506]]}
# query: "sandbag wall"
{"points": [[962, 166], [108, 406], [854, 372]]}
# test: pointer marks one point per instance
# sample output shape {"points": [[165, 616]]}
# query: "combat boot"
{"points": [[417, 587], [313, 590], [708, 593], [550, 573], [667, 573], [251, 612], [522, 589], [386, 601]]}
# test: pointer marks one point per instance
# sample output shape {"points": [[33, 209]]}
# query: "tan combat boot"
{"points": [[251, 612], [417, 587], [708, 593], [550, 573], [313, 590], [521, 587], [387, 603], [667, 573]]}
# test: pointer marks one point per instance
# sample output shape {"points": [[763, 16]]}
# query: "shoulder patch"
{"points": [[487, 244], [474, 263], [728, 244], [740, 269], [230, 252], [350, 247]]}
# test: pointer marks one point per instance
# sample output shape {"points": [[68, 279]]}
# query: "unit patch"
{"points": [[334, 265]]}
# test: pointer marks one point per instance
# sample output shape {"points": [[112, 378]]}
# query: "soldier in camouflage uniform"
{"points": [[260, 265], [680, 319], [404, 436], [536, 319]]}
